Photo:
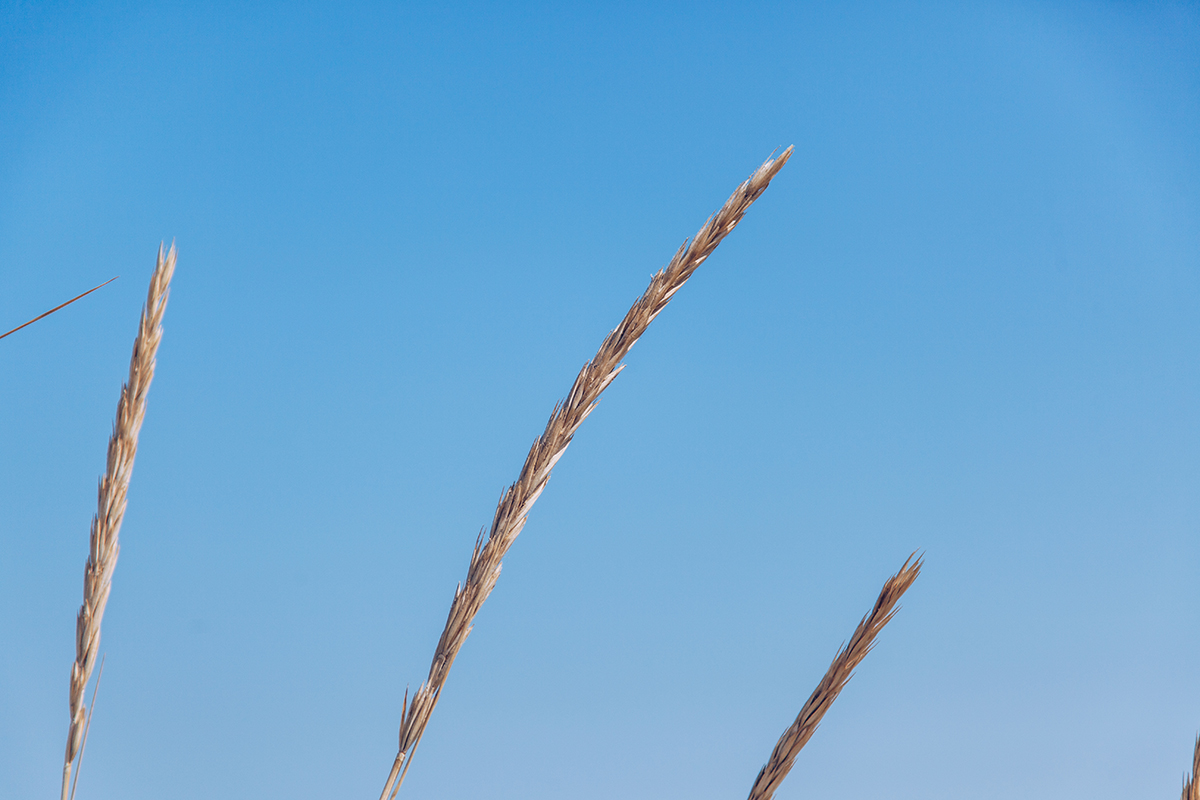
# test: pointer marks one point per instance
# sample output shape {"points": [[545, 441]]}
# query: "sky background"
{"points": [[965, 319]]}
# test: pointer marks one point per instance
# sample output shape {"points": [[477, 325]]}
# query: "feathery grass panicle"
{"points": [[1191, 783], [106, 525], [839, 673], [566, 418]]}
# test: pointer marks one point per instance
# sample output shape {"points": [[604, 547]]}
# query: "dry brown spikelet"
{"points": [[839, 673], [566, 418], [1191, 783]]}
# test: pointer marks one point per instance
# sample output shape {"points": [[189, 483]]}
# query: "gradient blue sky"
{"points": [[965, 319]]}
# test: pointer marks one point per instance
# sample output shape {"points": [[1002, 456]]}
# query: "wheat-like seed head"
{"points": [[566, 418], [1191, 783], [114, 486], [839, 673]]}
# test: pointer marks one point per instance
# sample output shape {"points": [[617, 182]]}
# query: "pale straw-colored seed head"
{"points": [[104, 543]]}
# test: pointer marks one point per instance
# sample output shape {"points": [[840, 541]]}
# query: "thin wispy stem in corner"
{"points": [[836, 678], [87, 727], [568, 415], [56, 308], [110, 511], [1191, 783]]}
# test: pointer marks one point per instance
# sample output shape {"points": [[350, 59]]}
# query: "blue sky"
{"points": [[963, 320]]}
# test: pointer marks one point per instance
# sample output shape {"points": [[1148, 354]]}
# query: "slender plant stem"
{"points": [[391, 779], [56, 308], [87, 727]]}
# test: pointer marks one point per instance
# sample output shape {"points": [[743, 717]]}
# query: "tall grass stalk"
{"points": [[836, 678], [566, 418], [110, 510]]}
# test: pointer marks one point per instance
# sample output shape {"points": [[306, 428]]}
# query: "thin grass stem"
{"points": [[87, 727], [56, 308]]}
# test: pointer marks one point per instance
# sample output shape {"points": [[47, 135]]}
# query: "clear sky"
{"points": [[964, 319]]}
